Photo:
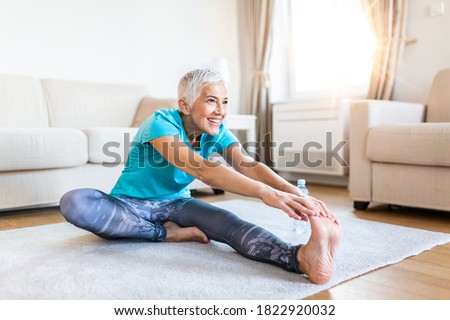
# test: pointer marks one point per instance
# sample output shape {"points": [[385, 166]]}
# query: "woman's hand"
{"points": [[318, 205], [322, 208], [297, 207]]}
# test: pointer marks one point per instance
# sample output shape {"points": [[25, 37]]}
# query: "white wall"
{"points": [[428, 55], [150, 42]]}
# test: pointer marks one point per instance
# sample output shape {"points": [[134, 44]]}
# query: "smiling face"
{"points": [[207, 112]]}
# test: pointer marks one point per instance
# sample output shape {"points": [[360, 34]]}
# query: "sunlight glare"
{"points": [[332, 45]]}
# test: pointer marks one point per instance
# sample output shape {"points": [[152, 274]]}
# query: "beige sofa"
{"points": [[58, 135], [400, 152]]}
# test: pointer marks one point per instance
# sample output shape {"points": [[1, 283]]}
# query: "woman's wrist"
{"points": [[289, 188], [262, 190]]}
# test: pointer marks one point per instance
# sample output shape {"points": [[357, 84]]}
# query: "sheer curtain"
{"points": [[387, 19], [259, 16]]}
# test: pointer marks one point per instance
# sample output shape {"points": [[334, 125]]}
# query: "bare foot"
{"points": [[175, 233], [316, 258]]}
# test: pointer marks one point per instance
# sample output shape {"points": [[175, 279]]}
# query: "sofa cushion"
{"points": [[22, 102], [421, 144], [148, 106], [75, 104], [41, 148], [109, 145]]}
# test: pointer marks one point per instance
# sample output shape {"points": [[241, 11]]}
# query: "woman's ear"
{"points": [[184, 107]]}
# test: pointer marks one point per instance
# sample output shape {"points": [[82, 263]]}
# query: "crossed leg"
{"points": [[111, 218]]}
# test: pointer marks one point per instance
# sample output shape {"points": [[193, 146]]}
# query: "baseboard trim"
{"points": [[340, 181]]}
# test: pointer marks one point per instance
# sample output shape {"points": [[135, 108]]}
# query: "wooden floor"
{"points": [[426, 276]]}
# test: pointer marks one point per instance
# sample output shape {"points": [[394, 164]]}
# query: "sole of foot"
{"points": [[316, 258], [175, 233]]}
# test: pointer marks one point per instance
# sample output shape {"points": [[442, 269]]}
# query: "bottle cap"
{"points": [[301, 182]]}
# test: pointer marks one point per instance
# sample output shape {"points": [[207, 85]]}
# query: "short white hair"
{"points": [[192, 83]]}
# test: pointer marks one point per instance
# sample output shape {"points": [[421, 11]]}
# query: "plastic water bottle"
{"points": [[301, 226]]}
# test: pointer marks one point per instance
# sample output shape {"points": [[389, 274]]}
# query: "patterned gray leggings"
{"points": [[114, 218]]}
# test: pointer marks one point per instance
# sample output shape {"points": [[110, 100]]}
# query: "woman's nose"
{"points": [[220, 108]]}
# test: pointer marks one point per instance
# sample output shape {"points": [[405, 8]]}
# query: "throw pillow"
{"points": [[148, 106]]}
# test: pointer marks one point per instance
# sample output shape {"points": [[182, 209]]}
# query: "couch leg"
{"points": [[218, 191], [393, 207], [360, 205]]}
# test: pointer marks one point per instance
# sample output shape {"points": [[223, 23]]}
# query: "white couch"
{"points": [[58, 135], [400, 152]]}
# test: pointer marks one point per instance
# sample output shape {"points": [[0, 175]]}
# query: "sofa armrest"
{"points": [[365, 114]]}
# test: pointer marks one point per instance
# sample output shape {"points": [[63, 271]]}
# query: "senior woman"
{"points": [[151, 199]]}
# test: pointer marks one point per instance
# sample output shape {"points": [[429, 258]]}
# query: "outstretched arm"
{"points": [[180, 155], [260, 172]]}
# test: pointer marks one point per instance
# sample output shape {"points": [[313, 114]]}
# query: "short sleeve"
{"points": [[159, 125], [225, 139]]}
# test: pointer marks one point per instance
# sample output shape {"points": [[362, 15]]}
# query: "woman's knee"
{"points": [[75, 204]]}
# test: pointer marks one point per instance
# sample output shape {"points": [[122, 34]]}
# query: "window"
{"points": [[328, 46]]}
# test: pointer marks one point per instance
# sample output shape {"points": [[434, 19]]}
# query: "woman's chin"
{"points": [[212, 130]]}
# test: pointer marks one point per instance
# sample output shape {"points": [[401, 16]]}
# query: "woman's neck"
{"points": [[192, 134]]}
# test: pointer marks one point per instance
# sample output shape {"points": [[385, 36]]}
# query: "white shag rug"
{"points": [[60, 261]]}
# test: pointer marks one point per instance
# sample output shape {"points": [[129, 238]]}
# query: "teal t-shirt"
{"points": [[147, 175]]}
